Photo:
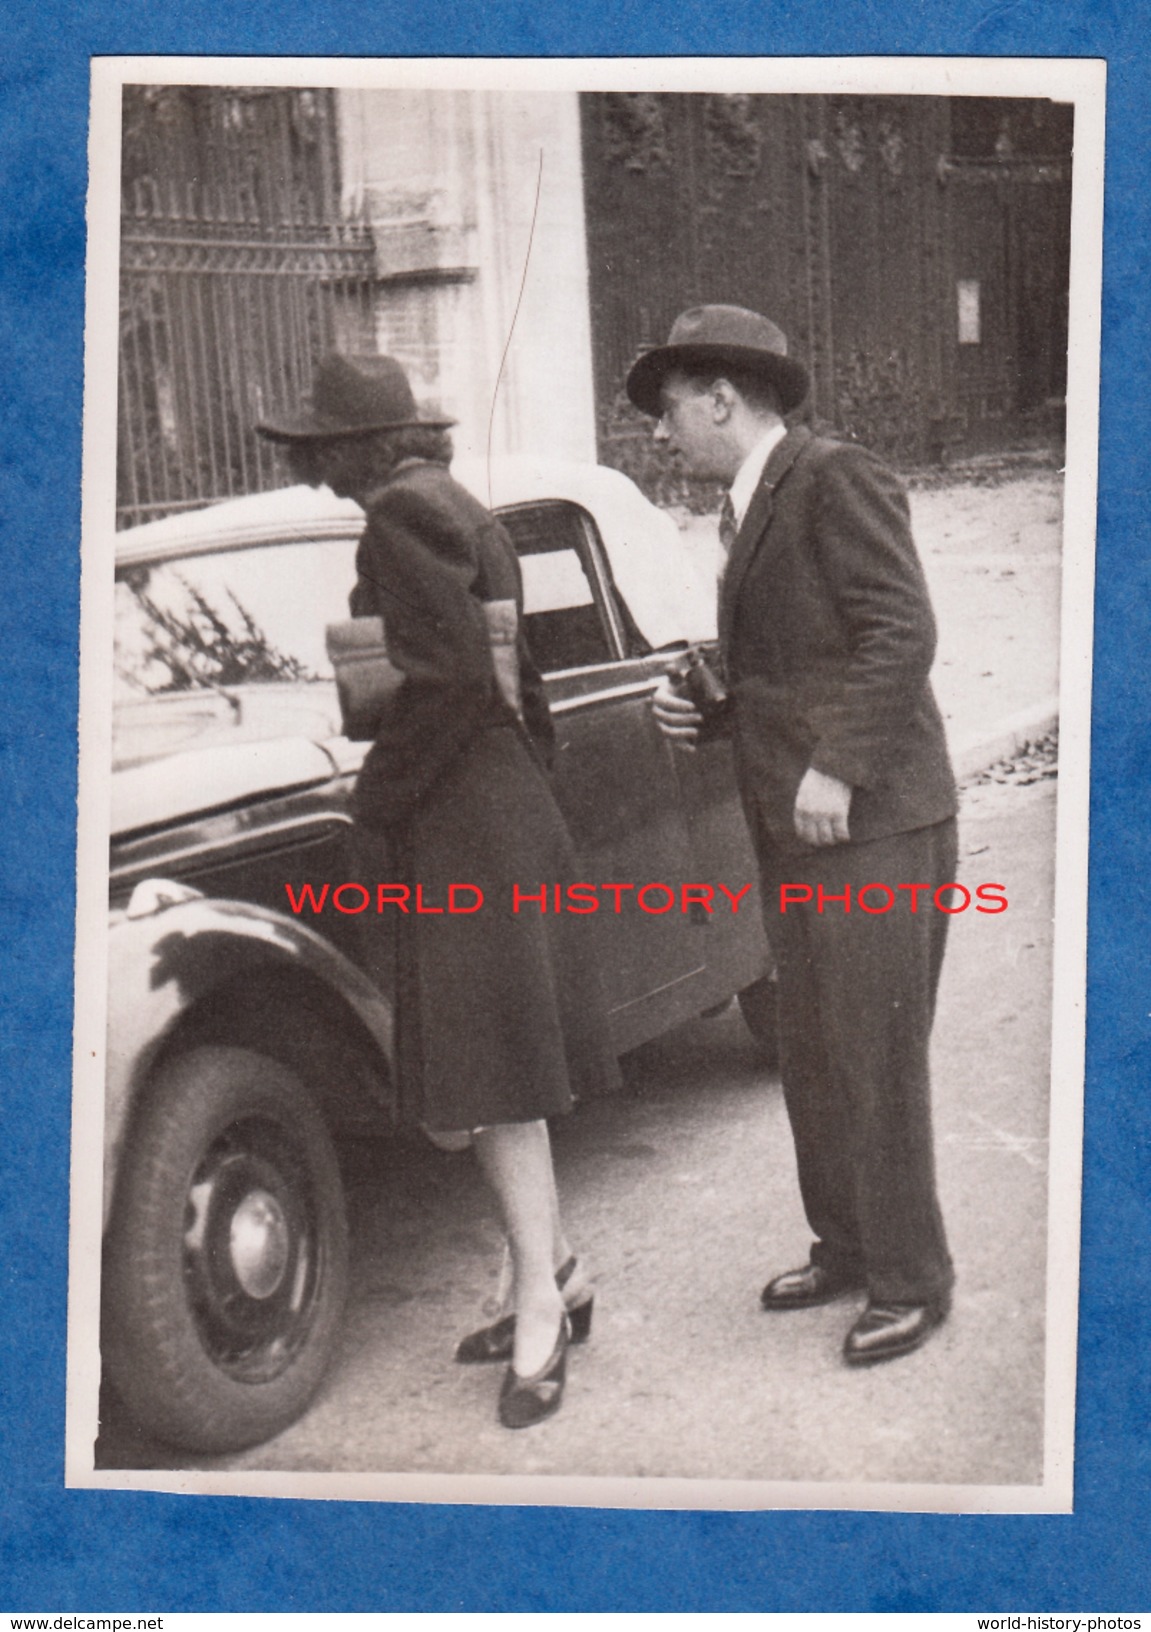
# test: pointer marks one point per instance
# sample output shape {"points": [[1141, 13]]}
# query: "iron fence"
{"points": [[237, 270]]}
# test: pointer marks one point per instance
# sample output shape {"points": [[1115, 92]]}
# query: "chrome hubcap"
{"points": [[259, 1244], [253, 1260]]}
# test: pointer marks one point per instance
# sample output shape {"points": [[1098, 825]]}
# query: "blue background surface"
{"points": [[79, 1551]]}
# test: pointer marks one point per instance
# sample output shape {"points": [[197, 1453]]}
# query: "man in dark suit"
{"points": [[826, 640]]}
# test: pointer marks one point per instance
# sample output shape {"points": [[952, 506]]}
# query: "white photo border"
{"points": [[1072, 80]]}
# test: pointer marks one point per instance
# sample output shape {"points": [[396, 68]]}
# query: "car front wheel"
{"points": [[226, 1261]]}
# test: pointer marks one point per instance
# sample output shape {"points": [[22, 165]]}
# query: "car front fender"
{"points": [[162, 964]]}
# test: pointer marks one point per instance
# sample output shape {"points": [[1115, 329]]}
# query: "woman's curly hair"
{"points": [[430, 442]]}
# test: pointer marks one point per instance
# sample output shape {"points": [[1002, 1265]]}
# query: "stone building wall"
{"points": [[475, 201]]}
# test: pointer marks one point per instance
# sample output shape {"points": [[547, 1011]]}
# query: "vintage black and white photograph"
{"points": [[587, 580]]}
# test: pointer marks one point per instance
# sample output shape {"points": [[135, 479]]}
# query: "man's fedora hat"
{"points": [[719, 337], [353, 396]]}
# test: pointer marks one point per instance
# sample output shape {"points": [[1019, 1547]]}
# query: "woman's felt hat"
{"points": [[719, 337], [353, 396]]}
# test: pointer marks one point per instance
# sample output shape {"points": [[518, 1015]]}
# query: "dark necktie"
{"points": [[727, 526]]}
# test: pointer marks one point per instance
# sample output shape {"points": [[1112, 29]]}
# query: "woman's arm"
{"points": [[417, 565]]}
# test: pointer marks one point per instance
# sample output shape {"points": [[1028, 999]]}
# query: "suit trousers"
{"points": [[857, 998]]}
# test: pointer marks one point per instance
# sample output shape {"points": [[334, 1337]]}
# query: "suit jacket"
{"points": [[828, 637], [429, 556]]}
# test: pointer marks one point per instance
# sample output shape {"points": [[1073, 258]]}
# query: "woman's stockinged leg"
{"points": [[561, 1247], [516, 1160], [561, 1251]]}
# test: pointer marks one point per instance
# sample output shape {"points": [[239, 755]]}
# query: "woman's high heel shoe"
{"points": [[524, 1401], [496, 1342]]}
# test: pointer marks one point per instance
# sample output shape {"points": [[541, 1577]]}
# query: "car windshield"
{"points": [[227, 647]]}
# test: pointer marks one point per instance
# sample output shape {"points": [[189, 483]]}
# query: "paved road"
{"points": [[681, 1194]]}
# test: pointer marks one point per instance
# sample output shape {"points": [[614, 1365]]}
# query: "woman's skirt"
{"points": [[500, 1012]]}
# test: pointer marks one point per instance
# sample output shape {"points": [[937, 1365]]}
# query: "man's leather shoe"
{"points": [[808, 1287], [887, 1330]]}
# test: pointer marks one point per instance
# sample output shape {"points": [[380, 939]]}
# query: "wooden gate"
{"points": [[1009, 247], [237, 270], [857, 225]]}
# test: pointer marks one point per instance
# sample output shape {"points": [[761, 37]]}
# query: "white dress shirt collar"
{"points": [[748, 475]]}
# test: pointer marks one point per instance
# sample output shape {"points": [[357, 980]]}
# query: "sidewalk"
{"points": [[992, 554]]}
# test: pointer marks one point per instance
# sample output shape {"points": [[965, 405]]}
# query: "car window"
{"points": [[228, 643], [565, 613]]}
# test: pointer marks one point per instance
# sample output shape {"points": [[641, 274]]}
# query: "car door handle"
{"points": [[639, 688]]}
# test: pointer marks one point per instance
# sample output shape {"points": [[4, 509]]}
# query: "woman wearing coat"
{"points": [[500, 1019]]}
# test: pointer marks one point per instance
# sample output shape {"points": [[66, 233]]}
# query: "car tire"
{"points": [[759, 1005], [226, 1259]]}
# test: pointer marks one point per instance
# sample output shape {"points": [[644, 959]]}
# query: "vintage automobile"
{"points": [[245, 1042]]}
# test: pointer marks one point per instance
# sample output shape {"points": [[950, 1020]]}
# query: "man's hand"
{"points": [[676, 716], [821, 809]]}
